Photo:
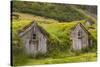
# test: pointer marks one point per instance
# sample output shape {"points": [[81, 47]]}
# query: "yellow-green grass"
{"points": [[85, 57]]}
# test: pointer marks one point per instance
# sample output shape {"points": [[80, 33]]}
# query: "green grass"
{"points": [[61, 12], [85, 57]]}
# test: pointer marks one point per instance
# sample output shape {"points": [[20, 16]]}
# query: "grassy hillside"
{"points": [[61, 12]]}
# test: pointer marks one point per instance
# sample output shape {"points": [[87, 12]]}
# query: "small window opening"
{"points": [[34, 36], [79, 34]]}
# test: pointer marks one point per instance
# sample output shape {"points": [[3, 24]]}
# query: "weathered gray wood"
{"points": [[79, 40], [34, 46]]}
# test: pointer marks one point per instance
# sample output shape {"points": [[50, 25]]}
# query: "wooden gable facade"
{"points": [[80, 37], [34, 39]]}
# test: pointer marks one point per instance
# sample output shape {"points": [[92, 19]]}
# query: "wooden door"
{"points": [[79, 44]]}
